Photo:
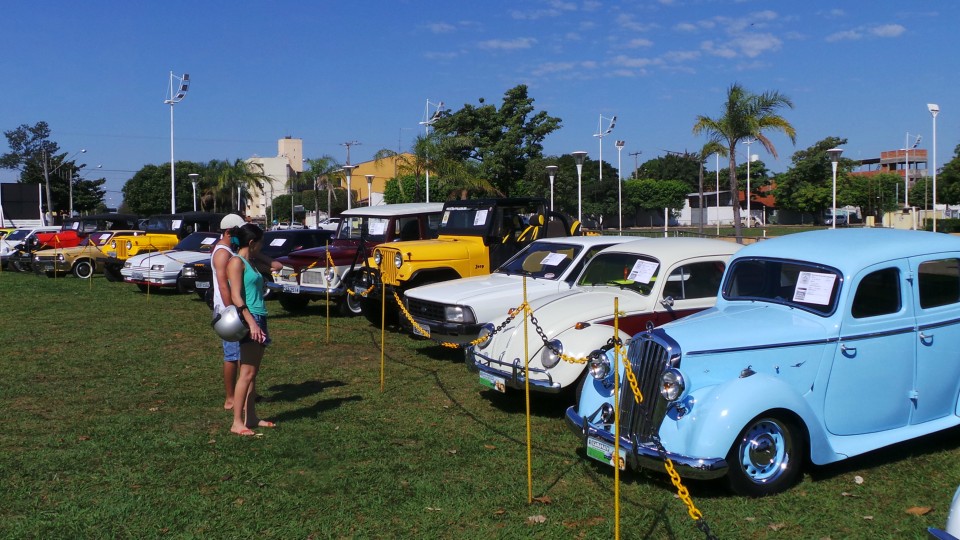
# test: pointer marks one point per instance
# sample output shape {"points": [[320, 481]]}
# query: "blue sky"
{"points": [[332, 72]]}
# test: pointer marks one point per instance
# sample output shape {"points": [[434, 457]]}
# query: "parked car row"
{"points": [[744, 364]]}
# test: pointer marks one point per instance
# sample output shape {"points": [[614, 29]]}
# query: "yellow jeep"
{"points": [[121, 249], [475, 237]]}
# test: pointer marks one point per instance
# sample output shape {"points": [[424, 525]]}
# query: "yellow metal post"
{"points": [[616, 418], [526, 379]]}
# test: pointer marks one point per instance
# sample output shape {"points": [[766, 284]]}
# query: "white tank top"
{"points": [[217, 299]]}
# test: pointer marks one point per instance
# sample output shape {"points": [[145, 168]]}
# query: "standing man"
{"points": [[223, 251]]}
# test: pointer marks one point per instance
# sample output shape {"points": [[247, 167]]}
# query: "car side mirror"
{"points": [[667, 302]]}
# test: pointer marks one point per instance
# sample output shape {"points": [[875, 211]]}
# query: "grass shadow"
{"points": [[298, 391], [314, 410]]}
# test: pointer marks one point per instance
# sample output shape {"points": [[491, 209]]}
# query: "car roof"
{"points": [[675, 248], [849, 250], [389, 210], [592, 240]]}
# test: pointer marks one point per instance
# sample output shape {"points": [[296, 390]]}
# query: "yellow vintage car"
{"points": [[118, 250], [84, 260], [5, 231]]}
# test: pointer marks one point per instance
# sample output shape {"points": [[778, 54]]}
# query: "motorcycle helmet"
{"points": [[229, 325]]}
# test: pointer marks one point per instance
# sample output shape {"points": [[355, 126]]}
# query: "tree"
{"points": [[673, 166], [500, 141], [745, 115], [709, 148], [948, 180], [807, 186], [148, 192], [321, 171], [655, 194]]}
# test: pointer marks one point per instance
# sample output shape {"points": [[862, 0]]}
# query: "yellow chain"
{"points": [[422, 331]]}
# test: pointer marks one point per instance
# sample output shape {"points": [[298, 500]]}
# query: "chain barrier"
{"points": [[682, 491], [450, 345]]}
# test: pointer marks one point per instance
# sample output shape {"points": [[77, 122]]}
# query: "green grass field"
{"points": [[114, 428]]}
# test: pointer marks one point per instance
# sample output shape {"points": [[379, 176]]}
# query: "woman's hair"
{"points": [[250, 232]]}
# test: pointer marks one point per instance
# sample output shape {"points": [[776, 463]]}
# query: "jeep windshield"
{"points": [[466, 220], [96, 239], [197, 242], [624, 270], [352, 227], [546, 260], [806, 286]]}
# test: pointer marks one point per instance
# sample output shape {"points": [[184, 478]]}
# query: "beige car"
{"points": [[82, 261]]}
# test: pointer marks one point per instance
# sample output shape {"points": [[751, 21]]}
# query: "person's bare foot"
{"points": [[228, 405], [261, 423], [243, 431]]}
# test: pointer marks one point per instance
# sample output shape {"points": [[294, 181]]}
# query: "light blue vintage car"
{"points": [[822, 345]]}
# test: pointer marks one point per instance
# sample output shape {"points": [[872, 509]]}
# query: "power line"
{"points": [[636, 166]]}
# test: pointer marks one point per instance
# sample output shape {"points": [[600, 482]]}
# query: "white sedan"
{"points": [[455, 310], [161, 269], [654, 281]]}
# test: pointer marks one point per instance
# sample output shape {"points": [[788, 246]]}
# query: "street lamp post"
{"points": [[552, 173], [600, 134], [428, 121], [172, 100], [834, 158], [194, 178], [369, 189], [934, 110], [348, 169], [620, 145], [579, 156], [748, 142], [46, 179], [718, 193]]}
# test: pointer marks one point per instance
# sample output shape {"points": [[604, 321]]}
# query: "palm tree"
{"points": [[235, 181], [322, 170], [711, 147], [746, 115]]}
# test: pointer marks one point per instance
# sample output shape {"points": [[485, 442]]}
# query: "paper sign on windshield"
{"points": [[377, 228], [642, 271], [175, 224], [278, 242], [553, 259], [209, 240], [814, 288], [480, 218]]}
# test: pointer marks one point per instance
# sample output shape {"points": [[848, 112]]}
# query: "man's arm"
{"points": [[219, 262]]}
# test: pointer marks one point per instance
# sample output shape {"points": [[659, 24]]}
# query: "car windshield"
{"points": [[469, 220], [624, 270], [197, 242], [96, 239], [352, 227], [18, 234], [547, 260], [807, 286]]}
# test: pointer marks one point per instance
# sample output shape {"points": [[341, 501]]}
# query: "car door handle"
{"points": [[847, 351], [926, 338]]}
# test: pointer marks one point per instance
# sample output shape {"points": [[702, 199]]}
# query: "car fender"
{"points": [[577, 344], [711, 426]]}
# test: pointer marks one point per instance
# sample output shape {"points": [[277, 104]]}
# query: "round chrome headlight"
{"points": [[129, 245], [672, 385], [551, 353], [485, 331], [398, 259], [113, 244], [377, 257], [331, 273], [598, 364], [60, 257]]}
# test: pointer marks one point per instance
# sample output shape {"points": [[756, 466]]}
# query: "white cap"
{"points": [[230, 221]]}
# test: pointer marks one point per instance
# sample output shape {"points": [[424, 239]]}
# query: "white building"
{"points": [[281, 170]]}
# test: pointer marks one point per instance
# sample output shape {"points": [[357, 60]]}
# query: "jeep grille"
{"points": [[388, 270], [648, 358]]}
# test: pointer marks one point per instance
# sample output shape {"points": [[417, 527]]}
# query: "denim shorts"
{"points": [[231, 351], [262, 323]]}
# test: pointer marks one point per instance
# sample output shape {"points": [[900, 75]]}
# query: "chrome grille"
{"points": [[648, 358], [425, 310]]}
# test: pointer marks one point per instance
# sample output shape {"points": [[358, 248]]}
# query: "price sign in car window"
{"points": [[175, 224], [377, 227], [642, 271], [208, 241], [814, 288], [480, 218], [278, 242], [553, 259]]}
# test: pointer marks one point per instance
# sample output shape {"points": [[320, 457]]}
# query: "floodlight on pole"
{"points": [[601, 133], [173, 98], [194, 178], [934, 110], [834, 154], [552, 173], [428, 120], [748, 142], [348, 170], [620, 145], [579, 156], [369, 189]]}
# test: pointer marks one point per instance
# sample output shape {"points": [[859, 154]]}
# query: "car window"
{"points": [[547, 260], [696, 280], [625, 270], [197, 242], [939, 282], [877, 294], [406, 228], [806, 286], [18, 234]]}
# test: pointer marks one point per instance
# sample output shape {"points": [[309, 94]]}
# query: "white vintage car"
{"points": [[654, 281], [161, 269], [454, 311]]}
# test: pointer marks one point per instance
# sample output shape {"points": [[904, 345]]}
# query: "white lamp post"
{"points": [[834, 158], [194, 178], [552, 173], [579, 156], [934, 110], [348, 170], [46, 179], [428, 121], [369, 189], [600, 134], [748, 142], [718, 193], [172, 100], [620, 145]]}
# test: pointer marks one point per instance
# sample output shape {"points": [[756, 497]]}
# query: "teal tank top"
{"points": [[253, 289]]}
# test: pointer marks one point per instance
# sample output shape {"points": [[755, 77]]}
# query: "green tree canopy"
{"points": [[807, 186], [948, 180], [148, 192]]}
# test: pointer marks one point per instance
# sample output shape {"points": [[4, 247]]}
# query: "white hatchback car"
{"points": [[161, 269], [455, 310]]}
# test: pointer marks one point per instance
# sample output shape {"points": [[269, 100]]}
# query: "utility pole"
{"points": [[348, 144], [636, 166]]}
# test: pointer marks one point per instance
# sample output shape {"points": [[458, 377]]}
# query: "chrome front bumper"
{"points": [[511, 373], [645, 455]]}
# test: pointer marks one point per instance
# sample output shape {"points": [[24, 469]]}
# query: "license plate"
{"points": [[137, 276], [493, 382], [203, 284], [292, 288], [423, 330], [603, 451]]}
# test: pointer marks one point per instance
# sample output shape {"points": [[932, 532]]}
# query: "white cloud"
{"points": [[639, 42], [753, 45], [888, 30], [557, 7], [507, 44], [681, 56], [686, 27], [715, 49], [623, 73], [846, 35], [631, 62], [881, 31], [441, 28], [628, 22]]}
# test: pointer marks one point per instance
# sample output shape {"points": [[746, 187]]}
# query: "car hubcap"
{"points": [[763, 452]]}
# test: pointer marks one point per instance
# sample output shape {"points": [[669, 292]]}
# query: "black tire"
{"points": [[294, 303], [17, 266], [142, 287], [83, 269], [766, 457], [371, 308], [112, 274], [350, 306]]}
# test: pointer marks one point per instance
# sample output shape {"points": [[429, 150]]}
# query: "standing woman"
{"points": [[246, 292]]}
